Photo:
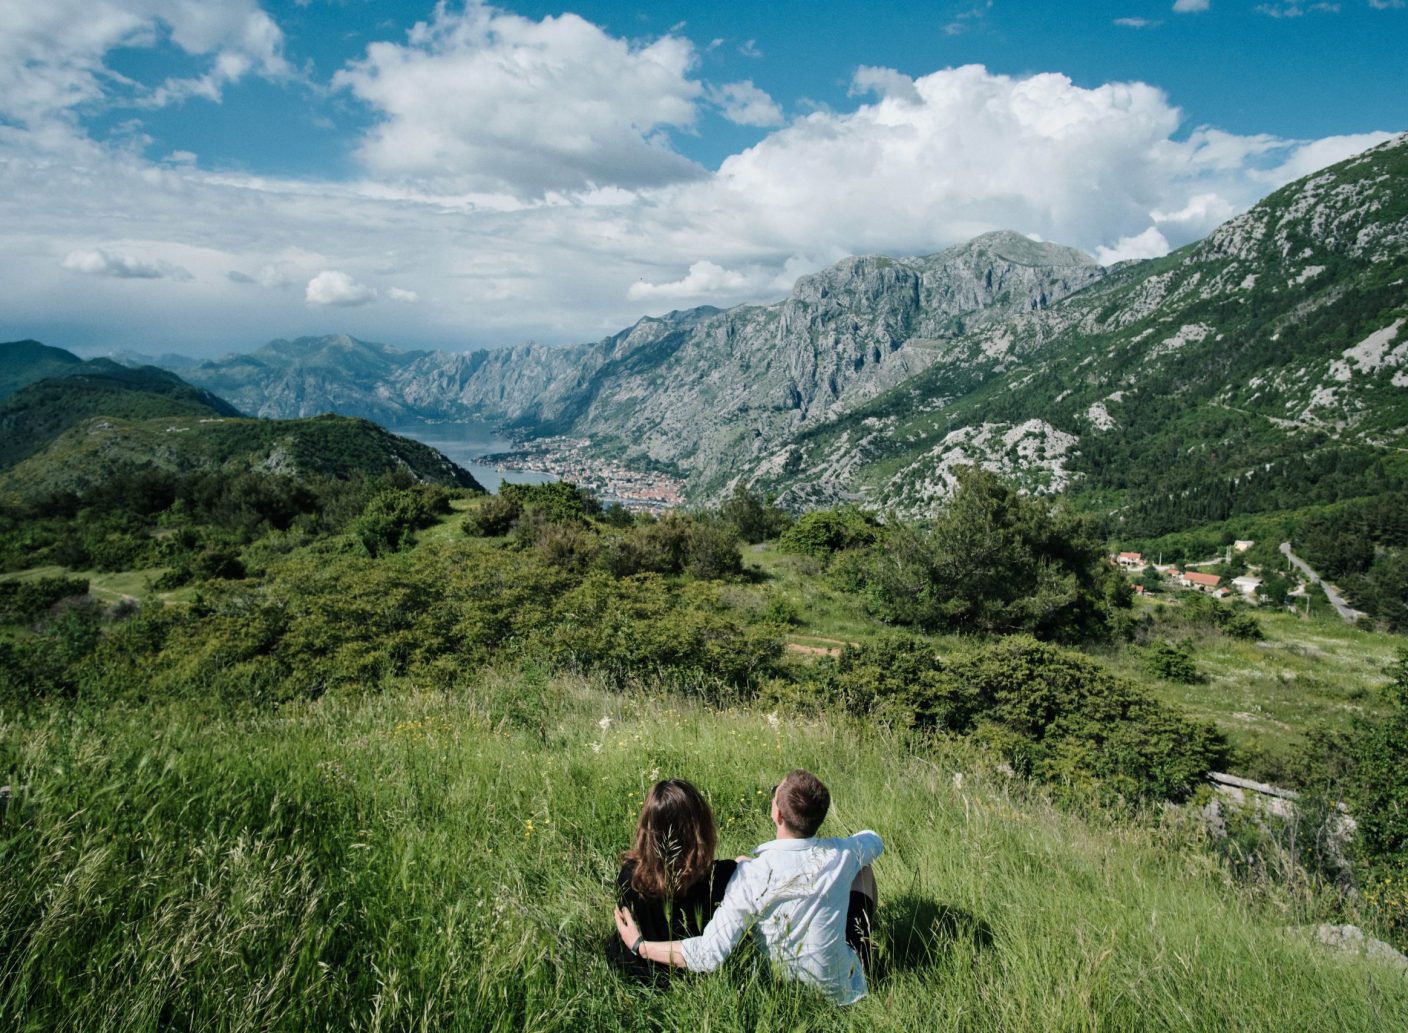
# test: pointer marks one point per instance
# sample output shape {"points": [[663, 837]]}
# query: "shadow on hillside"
{"points": [[916, 932]]}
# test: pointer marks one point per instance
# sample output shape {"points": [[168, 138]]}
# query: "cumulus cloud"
{"points": [[1149, 244], [53, 54], [705, 279], [332, 287], [482, 100], [1190, 6], [102, 262], [746, 105], [519, 235]]}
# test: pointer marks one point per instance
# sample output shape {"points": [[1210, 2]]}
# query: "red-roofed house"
{"points": [[1131, 560], [1202, 582]]}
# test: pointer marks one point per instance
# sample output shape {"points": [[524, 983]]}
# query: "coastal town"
{"points": [[571, 459]]}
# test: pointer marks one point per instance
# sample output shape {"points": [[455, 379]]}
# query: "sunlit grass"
{"points": [[420, 860]]}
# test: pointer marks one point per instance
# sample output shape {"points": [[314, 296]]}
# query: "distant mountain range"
{"points": [[67, 424], [1261, 368]]}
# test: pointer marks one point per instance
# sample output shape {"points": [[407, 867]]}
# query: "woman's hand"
{"points": [[626, 926]]}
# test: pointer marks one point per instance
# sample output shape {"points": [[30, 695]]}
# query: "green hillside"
{"points": [[392, 788], [1258, 370], [40, 411], [23, 362]]}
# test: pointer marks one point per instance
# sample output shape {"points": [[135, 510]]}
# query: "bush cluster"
{"points": [[1053, 713], [23, 602]]}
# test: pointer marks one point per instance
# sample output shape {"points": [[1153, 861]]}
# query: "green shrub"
{"points": [[494, 517], [557, 501], [22, 602], [1173, 662], [758, 518], [826, 531], [389, 521], [1055, 714]]}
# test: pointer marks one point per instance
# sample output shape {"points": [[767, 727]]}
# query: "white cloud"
{"points": [[749, 48], [746, 105], [1387, 5], [483, 100], [1190, 6], [705, 279], [1149, 244], [331, 287], [883, 82], [559, 253], [401, 294], [1296, 10], [1137, 23], [101, 262], [53, 54]]}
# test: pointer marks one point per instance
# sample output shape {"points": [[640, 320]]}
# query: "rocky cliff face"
{"points": [[875, 377], [1279, 340], [709, 398]]}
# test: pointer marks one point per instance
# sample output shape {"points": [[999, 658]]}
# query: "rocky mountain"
{"points": [[307, 376], [1262, 368], [1253, 369]]}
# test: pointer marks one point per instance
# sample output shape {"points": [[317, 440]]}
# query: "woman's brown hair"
{"points": [[675, 837]]}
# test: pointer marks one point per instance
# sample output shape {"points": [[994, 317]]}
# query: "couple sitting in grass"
{"points": [[809, 902]]}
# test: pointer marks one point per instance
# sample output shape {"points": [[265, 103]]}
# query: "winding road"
{"points": [[1348, 613]]}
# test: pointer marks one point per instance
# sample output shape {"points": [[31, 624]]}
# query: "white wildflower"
{"points": [[958, 780], [604, 724], [774, 722], [596, 747]]}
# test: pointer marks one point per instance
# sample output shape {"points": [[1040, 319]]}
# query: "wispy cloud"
{"points": [[102, 262], [1296, 10], [966, 19], [1190, 6], [745, 104], [1137, 23]]}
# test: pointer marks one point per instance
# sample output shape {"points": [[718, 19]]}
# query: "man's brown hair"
{"points": [[802, 801]]}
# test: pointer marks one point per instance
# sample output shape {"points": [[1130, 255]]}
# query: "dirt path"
{"points": [[1347, 613]]}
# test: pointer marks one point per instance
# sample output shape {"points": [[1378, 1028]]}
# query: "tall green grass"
{"points": [[442, 860]]}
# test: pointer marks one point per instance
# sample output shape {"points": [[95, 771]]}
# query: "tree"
{"points": [[996, 562], [757, 517]]}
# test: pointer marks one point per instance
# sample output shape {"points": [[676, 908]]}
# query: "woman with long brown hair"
{"points": [[669, 879]]}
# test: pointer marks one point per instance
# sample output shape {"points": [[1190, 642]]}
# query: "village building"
{"points": [[1202, 582], [1243, 544], [1130, 560], [1247, 585]]}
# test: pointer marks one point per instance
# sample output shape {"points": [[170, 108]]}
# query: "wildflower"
{"points": [[604, 724], [773, 722], [596, 747], [528, 828]]}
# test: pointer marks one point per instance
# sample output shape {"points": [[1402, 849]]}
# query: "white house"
{"points": [[1247, 585]]}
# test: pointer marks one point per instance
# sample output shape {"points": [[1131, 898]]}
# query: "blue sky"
{"points": [[201, 176]]}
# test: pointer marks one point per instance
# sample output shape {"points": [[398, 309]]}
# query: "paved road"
{"points": [[1347, 612]]}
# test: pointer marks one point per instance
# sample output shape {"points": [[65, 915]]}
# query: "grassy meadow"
{"points": [[442, 860]]}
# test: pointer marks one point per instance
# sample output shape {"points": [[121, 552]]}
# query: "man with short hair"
{"points": [[810, 901]]}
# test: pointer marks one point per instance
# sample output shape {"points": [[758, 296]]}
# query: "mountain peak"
{"points": [[1022, 250]]}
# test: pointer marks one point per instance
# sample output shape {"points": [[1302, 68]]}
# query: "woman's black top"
{"points": [[677, 919]]}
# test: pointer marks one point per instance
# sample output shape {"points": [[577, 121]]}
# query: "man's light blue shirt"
{"points": [[795, 895]]}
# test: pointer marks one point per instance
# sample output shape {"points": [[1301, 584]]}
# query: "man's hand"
{"points": [[626, 926]]}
